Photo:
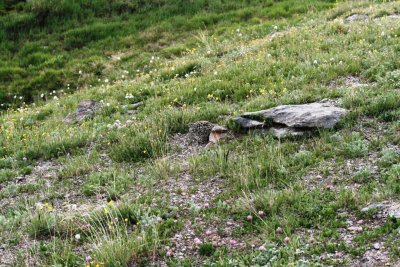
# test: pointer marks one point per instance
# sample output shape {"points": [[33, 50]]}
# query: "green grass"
{"points": [[109, 190], [68, 42]]}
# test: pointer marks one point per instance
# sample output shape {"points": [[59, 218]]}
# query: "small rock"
{"points": [[338, 255], [232, 242], [376, 246], [355, 228], [355, 17], [197, 241], [394, 211], [86, 109], [262, 248], [286, 240], [378, 206]]}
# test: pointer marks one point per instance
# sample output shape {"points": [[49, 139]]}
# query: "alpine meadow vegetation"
{"points": [[120, 184]]}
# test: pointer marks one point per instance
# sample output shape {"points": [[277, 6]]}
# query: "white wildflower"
{"points": [[129, 96]]}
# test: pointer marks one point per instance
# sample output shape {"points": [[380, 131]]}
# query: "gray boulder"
{"points": [[86, 109], [313, 115]]}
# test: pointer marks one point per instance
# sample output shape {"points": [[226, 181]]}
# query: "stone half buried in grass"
{"points": [[313, 115], [292, 120], [356, 17], [384, 209], [394, 211], [86, 109]]}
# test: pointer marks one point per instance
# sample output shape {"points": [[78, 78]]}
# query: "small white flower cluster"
{"points": [[239, 33], [129, 96], [153, 59], [118, 124], [107, 104]]}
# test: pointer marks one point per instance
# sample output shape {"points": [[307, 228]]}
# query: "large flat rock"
{"points": [[313, 115]]}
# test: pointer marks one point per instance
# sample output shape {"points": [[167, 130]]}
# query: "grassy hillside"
{"points": [[51, 45], [126, 189]]}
